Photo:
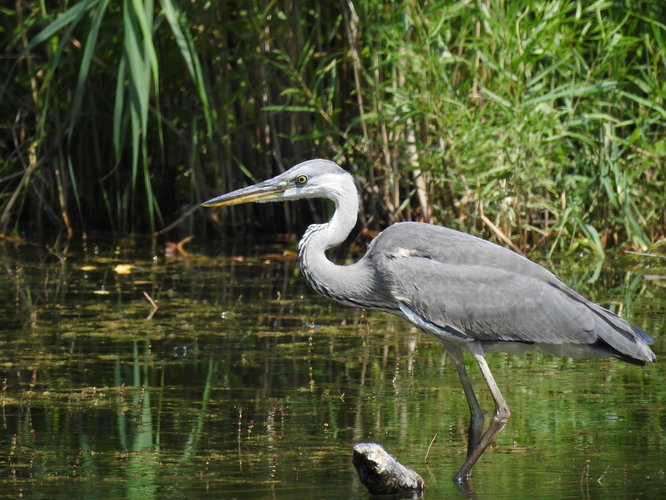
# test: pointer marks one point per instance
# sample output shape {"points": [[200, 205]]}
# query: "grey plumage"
{"points": [[475, 290], [468, 292]]}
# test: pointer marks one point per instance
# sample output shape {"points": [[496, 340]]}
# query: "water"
{"points": [[244, 384]]}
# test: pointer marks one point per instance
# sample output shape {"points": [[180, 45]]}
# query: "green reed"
{"points": [[539, 124]]}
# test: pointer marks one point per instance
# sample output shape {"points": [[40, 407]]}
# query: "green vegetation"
{"points": [[541, 124]]}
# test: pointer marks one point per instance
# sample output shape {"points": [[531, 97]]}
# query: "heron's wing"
{"points": [[485, 303], [474, 289]]}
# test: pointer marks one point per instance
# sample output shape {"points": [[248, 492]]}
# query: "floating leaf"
{"points": [[123, 268]]}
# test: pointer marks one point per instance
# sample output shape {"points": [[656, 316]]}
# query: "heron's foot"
{"points": [[476, 449], [465, 487], [460, 479], [464, 475]]}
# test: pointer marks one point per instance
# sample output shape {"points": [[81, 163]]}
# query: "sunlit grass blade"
{"points": [[86, 59], [188, 52], [71, 15]]}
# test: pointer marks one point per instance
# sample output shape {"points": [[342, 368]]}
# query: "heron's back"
{"points": [[462, 288]]}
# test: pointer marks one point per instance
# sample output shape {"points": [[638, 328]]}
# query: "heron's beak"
{"points": [[269, 190]]}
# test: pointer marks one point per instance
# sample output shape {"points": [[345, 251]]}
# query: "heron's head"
{"points": [[310, 179]]}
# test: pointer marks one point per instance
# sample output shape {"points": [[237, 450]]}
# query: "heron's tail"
{"points": [[626, 341]]}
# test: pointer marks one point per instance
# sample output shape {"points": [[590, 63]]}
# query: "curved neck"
{"points": [[342, 283], [321, 237]]}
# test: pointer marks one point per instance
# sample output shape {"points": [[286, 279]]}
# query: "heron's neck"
{"points": [[341, 283]]}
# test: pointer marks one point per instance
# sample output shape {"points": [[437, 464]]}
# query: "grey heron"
{"points": [[467, 292]]}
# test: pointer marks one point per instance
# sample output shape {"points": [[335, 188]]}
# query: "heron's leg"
{"points": [[498, 421], [476, 419]]}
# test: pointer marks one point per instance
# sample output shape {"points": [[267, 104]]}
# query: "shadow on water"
{"points": [[245, 384]]}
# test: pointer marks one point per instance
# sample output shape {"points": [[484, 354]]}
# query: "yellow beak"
{"points": [[269, 190]]}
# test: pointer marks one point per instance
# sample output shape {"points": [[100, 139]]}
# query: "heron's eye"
{"points": [[301, 180]]}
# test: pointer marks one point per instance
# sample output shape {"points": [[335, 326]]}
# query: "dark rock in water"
{"points": [[381, 473]]}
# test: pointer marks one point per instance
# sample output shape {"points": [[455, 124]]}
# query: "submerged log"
{"points": [[381, 473]]}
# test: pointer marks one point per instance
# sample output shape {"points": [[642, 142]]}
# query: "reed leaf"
{"points": [[546, 118]]}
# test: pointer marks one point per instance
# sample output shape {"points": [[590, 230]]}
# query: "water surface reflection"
{"points": [[245, 384]]}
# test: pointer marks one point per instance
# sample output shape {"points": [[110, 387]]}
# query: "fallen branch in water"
{"points": [[381, 473], [152, 303]]}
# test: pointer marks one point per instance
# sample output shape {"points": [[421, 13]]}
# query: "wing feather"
{"points": [[474, 289], [486, 303]]}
